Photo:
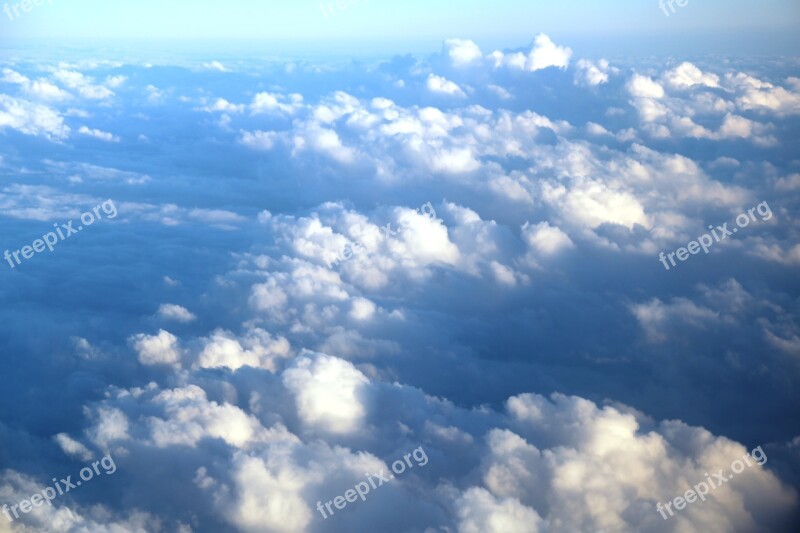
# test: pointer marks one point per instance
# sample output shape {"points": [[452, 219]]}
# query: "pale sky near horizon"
{"points": [[383, 19]]}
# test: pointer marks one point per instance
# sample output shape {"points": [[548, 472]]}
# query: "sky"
{"points": [[474, 267], [401, 26]]}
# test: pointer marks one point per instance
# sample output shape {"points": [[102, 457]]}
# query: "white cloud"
{"points": [[658, 318], [269, 497], [222, 105], [116, 81], [363, 309], [788, 183], [12, 76], [546, 53], [39, 89], [758, 95], [455, 161], [176, 313], [257, 349], [543, 54], [545, 239], [189, 417], [215, 65], [609, 475], [645, 87], [688, 75], [329, 393], [218, 217], [789, 344], [83, 84], [594, 73], [592, 203], [266, 102], [31, 118], [110, 425], [98, 134], [438, 84], [499, 91], [462, 52], [72, 447], [47, 91], [69, 515], [668, 117], [259, 140], [95, 92], [160, 349], [479, 511], [325, 141]]}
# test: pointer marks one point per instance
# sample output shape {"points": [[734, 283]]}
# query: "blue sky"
{"points": [[414, 23]]}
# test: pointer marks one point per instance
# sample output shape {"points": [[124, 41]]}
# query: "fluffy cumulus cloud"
{"points": [[594, 73], [546, 53], [479, 510], [542, 464], [438, 84], [98, 134], [462, 52], [266, 103], [709, 113], [546, 239], [644, 87], [160, 349], [759, 95], [688, 75], [328, 393], [175, 312], [543, 54], [257, 349], [31, 118], [450, 262], [604, 475]]}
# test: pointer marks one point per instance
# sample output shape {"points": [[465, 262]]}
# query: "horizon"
{"points": [[394, 27]]}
